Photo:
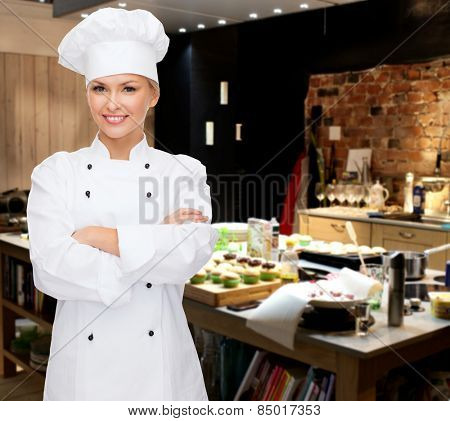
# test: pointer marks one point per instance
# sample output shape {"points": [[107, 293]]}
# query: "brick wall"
{"points": [[400, 111]]}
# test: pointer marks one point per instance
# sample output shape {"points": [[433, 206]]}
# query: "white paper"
{"points": [[278, 316]]}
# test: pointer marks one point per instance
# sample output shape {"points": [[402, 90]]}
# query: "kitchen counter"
{"points": [[353, 214], [14, 239]]}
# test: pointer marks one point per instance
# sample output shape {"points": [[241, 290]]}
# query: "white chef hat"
{"points": [[113, 41]]}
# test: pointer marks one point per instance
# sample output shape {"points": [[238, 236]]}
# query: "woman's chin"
{"points": [[115, 132]]}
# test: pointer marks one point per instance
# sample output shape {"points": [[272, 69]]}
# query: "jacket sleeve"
{"points": [[171, 253], [62, 267]]}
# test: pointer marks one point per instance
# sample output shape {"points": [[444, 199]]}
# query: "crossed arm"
{"points": [[106, 239]]}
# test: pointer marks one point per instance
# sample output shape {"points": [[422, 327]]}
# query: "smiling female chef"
{"points": [[108, 232]]}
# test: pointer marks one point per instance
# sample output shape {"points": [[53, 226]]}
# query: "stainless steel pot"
{"points": [[415, 262]]}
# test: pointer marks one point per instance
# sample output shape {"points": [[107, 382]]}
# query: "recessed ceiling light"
{"points": [[253, 15], [222, 22], [122, 5], [41, 1], [84, 15], [277, 11], [201, 26], [182, 30], [304, 6]]}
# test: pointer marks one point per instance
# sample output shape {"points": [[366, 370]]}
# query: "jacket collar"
{"points": [[138, 153]]}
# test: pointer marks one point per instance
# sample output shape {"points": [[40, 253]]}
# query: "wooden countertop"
{"points": [[353, 214]]}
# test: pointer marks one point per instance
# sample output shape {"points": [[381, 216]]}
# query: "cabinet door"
{"points": [[393, 237], [330, 229]]}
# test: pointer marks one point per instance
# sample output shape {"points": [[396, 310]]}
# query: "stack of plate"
{"points": [[236, 231]]}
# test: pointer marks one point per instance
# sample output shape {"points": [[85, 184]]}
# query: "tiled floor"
{"points": [[31, 389]]}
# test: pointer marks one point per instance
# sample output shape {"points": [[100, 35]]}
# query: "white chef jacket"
{"points": [[120, 331]]}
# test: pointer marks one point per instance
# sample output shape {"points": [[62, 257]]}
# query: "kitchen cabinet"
{"points": [[393, 237], [330, 229]]}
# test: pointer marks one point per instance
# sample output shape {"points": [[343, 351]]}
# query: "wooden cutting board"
{"points": [[217, 295]]}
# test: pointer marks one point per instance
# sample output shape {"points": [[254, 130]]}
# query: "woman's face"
{"points": [[119, 103]]}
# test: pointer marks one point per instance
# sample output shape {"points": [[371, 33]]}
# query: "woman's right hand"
{"points": [[185, 214]]}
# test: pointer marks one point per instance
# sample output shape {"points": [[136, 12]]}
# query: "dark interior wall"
{"points": [[267, 63]]}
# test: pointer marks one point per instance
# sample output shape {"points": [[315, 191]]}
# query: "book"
{"points": [[248, 383], [330, 387], [323, 388]]}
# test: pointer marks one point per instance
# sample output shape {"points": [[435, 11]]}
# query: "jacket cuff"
{"points": [[136, 246]]}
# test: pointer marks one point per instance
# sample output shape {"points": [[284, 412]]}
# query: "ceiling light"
{"points": [[182, 30], [84, 15], [222, 22], [122, 5], [201, 26], [41, 1], [277, 11], [253, 15], [304, 6]]}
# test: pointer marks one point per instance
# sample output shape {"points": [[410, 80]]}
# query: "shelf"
{"points": [[42, 319], [22, 361]]}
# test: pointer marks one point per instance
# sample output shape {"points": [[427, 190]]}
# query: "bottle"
{"points": [[396, 289], [366, 178], [275, 239], [408, 193], [418, 198]]}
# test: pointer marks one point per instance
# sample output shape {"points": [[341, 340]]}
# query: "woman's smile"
{"points": [[114, 119]]}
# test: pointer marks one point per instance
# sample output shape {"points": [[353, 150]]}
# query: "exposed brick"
{"points": [[328, 121], [426, 119], [412, 74], [356, 99], [426, 85], [434, 131], [403, 132], [401, 87], [376, 110], [364, 143], [443, 72], [382, 77], [393, 143], [353, 78], [339, 79], [373, 89], [314, 81], [415, 97], [424, 143]]}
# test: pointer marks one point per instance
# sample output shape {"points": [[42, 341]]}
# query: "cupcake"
{"points": [[351, 248], [224, 266], [304, 240], [378, 250], [268, 271], [215, 275], [254, 263], [199, 277], [242, 261], [209, 267], [238, 269], [365, 250], [217, 257], [230, 258], [230, 279], [250, 276]]}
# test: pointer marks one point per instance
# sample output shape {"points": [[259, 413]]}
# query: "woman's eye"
{"points": [[96, 88], [130, 87]]}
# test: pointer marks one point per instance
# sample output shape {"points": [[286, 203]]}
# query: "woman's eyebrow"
{"points": [[104, 84]]}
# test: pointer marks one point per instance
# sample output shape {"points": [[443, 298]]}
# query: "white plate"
{"points": [[334, 304]]}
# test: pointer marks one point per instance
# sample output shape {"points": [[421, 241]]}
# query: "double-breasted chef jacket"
{"points": [[120, 331]]}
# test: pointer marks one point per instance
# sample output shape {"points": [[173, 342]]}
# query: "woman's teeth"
{"points": [[115, 119]]}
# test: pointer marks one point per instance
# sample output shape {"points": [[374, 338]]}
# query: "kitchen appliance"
{"points": [[437, 198], [415, 262], [13, 205], [396, 274]]}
